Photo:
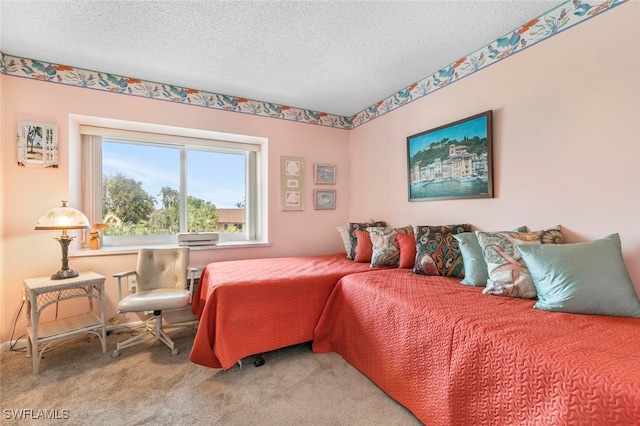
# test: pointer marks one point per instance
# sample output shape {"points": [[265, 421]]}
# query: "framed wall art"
{"points": [[453, 161], [292, 178], [37, 145], [324, 199], [324, 174]]}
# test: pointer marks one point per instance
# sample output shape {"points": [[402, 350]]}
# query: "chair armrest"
{"points": [[120, 276], [123, 274], [191, 272]]}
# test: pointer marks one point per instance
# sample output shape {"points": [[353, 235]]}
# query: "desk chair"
{"points": [[161, 283]]}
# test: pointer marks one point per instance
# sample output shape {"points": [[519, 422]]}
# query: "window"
{"points": [[149, 187]]}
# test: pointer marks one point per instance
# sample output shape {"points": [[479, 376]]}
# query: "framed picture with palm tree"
{"points": [[37, 144]]}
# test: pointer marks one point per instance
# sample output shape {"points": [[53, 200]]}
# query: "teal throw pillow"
{"points": [[582, 278], [475, 268]]}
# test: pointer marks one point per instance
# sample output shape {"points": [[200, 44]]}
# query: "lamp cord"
{"points": [[57, 302], [12, 344], [15, 322]]}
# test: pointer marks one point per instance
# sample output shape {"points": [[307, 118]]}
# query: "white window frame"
{"points": [[89, 171]]}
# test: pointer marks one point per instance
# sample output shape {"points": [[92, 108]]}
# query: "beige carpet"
{"points": [[146, 385]]}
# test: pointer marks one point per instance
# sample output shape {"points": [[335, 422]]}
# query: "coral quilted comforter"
{"points": [[454, 356], [247, 307]]}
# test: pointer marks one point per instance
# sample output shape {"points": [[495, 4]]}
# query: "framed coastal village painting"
{"points": [[453, 161]]}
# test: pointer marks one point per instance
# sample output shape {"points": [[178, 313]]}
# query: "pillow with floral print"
{"points": [[386, 250], [353, 227], [508, 274], [475, 268]]}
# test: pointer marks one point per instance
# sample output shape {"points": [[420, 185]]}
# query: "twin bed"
{"points": [[454, 356], [248, 307], [445, 351]]}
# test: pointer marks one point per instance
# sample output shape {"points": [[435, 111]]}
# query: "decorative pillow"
{"points": [[386, 251], [475, 268], [344, 234], [582, 278], [352, 234], [365, 248], [437, 250], [407, 244], [508, 275]]}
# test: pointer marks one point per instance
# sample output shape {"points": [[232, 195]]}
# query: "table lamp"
{"points": [[63, 218]]}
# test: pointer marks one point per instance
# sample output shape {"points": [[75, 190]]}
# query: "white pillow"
{"points": [[344, 234]]}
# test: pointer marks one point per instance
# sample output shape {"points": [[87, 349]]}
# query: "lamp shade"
{"points": [[63, 217]]}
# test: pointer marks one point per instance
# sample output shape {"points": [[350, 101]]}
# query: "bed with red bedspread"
{"points": [[248, 307], [454, 356]]}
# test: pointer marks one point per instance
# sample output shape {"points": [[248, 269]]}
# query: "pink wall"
{"points": [[566, 151], [30, 192], [2, 206], [566, 140]]}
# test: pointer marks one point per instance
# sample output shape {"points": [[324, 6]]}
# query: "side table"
{"points": [[43, 292]]}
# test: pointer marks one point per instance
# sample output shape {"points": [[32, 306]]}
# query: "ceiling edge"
{"points": [[556, 20], [543, 27]]}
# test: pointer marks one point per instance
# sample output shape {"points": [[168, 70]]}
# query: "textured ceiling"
{"points": [[337, 57]]}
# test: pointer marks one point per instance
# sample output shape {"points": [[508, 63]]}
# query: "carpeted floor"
{"points": [[146, 385]]}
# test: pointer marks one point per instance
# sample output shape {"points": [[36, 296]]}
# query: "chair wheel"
{"points": [[174, 352], [115, 354]]}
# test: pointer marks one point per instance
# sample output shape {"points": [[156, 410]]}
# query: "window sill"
{"points": [[119, 250]]}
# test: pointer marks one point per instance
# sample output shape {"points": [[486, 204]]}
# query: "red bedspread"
{"points": [[454, 356], [247, 307]]}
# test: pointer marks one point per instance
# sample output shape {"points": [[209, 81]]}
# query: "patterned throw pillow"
{"points": [[475, 268], [438, 252], [386, 250], [508, 274], [365, 248], [344, 235], [352, 234]]}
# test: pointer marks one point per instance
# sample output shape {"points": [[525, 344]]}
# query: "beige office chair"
{"points": [[161, 283]]}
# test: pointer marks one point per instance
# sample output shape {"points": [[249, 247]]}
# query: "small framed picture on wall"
{"points": [[324, 174], [292, 179], [324, 199], [37, 145]]}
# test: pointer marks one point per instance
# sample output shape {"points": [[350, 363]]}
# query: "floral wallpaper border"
{"points": [[558, 19]]}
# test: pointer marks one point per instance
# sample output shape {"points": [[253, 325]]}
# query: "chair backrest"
{"points": [[162, 268]]}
